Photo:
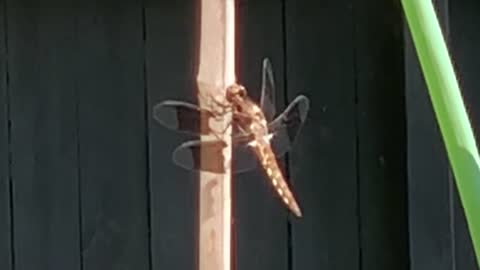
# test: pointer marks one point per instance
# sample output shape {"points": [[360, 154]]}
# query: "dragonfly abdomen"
{"points": [[276, 177]]}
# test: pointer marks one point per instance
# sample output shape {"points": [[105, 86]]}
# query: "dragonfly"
{"points": [[256, 130]]}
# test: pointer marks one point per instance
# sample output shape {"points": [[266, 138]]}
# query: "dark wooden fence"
{"points": [[86, 178]]}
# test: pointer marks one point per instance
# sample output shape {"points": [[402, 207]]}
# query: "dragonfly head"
{"points": [[235, 90]]}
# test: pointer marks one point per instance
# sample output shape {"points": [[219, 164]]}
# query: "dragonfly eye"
{"points": [[242, 92], [235, 90]]}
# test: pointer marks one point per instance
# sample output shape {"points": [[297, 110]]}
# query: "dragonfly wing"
{"points": [[188, 154], [267, 98], [244, 158], [183, 117], [287, 125]]}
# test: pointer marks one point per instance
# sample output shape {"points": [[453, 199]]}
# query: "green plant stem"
{"points": [[449, 108]]}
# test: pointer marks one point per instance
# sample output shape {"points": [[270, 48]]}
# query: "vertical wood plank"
{"points": [[171, 59], [430, 195], [323, 163], [260, 216], [5, 215], [113, 155], [464, 253], [465, 40], [41, 42], [381, 134], [216, 72]]}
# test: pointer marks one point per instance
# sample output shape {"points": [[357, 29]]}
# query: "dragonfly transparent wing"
{"points": [[284, 128], [185, 117], [288, 124], [267, 98], [188, 154], [182, 116]]}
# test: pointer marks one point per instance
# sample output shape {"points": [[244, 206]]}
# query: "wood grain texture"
{"points": [[323, 164], [41, 42], [171, 62], [464, 43], [260, 215], [430, 195], [5, 215], [112, 135], [381, 123], [216, 72]]}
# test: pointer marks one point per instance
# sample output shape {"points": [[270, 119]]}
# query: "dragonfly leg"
{"points": [[223, 107], [226, 127], [222, 132], [204, 96], [219, 106], [218, 135]]}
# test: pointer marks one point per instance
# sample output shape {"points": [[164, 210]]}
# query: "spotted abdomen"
{"points": [[275, 175]]}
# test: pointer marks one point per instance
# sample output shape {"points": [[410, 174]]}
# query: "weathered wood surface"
{"points": [[5, 213], [216, 72], [380, 117], [112, 135], [171, 60], [326, 182], [43, 135]]}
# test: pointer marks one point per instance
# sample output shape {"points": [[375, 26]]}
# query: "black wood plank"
{"points": [[324, 163], [5, 218], [465, 257], [112, 134], [171, 60], [260, 216], [43, 135], [430, 194], [465, 40], [381, 134]]}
